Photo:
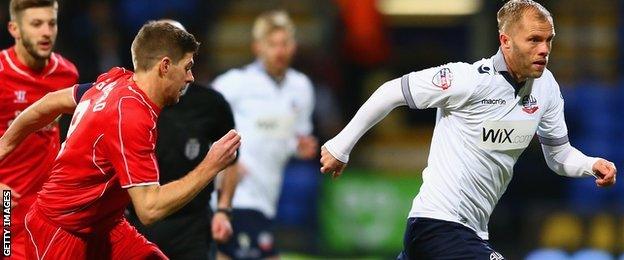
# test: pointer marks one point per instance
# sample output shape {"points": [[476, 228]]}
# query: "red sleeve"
{"points": [[131, 143]]}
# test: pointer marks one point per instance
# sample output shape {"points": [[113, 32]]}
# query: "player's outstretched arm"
{"points": [[566, 160], [381, 102], [41, 113], [154, 202]]}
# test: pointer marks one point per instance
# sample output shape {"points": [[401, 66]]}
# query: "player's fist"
{"points": [[223, 151], [329, 164], [307, 146], [605, 172], [221, 227]]}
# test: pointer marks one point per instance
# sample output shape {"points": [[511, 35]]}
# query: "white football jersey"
{"points": [[484, 123], [269, 116]]}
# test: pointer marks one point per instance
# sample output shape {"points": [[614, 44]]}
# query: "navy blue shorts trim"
{"points": [[253, 236], [427, 238]]}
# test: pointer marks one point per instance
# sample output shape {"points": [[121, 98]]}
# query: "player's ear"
{"points": [[505, 40], [14, 30], [164, 65]]}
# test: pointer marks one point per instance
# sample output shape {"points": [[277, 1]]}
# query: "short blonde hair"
{"points": [[513, 10], [271, 21]]}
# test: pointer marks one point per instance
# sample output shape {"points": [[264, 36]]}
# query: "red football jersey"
{"points": [[110, 147], [27, 167]]}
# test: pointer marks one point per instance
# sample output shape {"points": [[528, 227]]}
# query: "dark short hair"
{"points": [[16, 7], [158, 39]]}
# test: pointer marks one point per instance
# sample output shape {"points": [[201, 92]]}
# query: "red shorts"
{"points": [[18, 233], [46, 240]]}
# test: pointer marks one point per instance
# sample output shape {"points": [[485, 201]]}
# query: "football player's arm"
{"points": [[155, 202], [335, 152], [36, 116], [561, 156], [566, 160], [449, 86]]}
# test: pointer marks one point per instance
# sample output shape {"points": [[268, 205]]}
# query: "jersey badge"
{"points": [[443, 78], [529, 104], [191, 150], [20, 97]]}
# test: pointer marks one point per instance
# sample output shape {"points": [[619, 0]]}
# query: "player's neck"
{"points": [[512, 71], [149, 84], [276, 75], [27, 59]]}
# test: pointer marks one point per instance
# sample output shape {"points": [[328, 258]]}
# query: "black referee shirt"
{"points": [[185, 132]]}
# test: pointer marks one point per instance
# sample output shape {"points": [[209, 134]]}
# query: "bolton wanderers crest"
{"points": [[529, 104], [443, 78]]}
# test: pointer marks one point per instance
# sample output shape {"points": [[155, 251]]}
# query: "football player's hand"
{"points": [[221, 227], [329, 164], [605, 173], [223, 151]]}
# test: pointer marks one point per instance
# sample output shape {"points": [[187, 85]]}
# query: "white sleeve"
{"points": [[380, 103], [566, 160], [449, 86], [552, 129]]}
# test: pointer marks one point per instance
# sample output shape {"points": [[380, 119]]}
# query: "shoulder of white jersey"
{"points": [[463, 75], [302, 80], [228, 80], [547, 77], [548, 81], [483, 68]]}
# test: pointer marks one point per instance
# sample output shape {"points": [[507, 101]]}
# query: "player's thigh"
{"points": [[42, 239], [127, 243], [253, 236]]}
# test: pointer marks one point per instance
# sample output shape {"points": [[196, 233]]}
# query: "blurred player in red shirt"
{"points": [[28, 71], [108, 158]]}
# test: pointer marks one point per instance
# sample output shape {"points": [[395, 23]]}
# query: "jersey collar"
{"points": [[500, 66], [23, 69], [258, 65]]}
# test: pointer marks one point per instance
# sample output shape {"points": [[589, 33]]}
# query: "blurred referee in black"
{"points": [[185, 133]]}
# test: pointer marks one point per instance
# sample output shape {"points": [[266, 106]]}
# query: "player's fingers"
{"points": [[231, 149], [336, 174], [232, 140], [229, 135]]}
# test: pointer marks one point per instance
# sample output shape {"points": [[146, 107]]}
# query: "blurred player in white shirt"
{"points": [[272, 105], [488, 112]]}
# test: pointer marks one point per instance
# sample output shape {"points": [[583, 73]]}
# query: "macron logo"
{"points": [[490, 101]]}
